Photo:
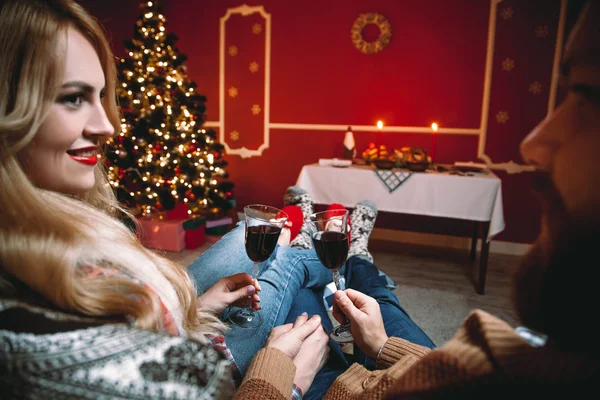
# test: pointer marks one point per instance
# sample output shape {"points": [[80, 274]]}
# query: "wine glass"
{"points": [[263, 226], [329, 233]]}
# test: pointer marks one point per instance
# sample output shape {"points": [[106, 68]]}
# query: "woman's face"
{"points": [[64, 152]]}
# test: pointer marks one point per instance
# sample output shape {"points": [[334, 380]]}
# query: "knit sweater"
{"points": [[485, 359], [49, 354]]}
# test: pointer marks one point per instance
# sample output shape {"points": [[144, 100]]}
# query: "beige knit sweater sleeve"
{"points": [[270, 376], [484, 349], [396, 357], [395, 349]]}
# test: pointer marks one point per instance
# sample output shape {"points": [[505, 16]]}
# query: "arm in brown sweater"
{"points": [[271, 373], [484, 351], [396, 357], [395, 349], [270, 376]]}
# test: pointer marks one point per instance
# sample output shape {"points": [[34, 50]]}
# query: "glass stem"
{"points": [[337, 279], [339, 285], [254, 274]]}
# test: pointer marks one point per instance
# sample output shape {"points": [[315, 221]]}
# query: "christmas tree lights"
{"points": [[162, 155]]}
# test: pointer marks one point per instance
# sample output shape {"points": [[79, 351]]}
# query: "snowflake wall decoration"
{"points": [[508, 64], [502, 117], [253, 67], [257, 29], [256, 109], [541, 31], [535, 87], [506, 13], [233, 91], [234, 135], [233, 50]]}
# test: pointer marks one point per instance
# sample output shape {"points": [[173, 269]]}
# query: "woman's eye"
{"points": [[75, 99]]}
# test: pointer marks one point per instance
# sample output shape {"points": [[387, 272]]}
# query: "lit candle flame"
{"points": [[434, 127], [379, 125]]}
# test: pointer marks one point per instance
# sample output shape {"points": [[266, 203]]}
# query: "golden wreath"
{"points": [[385, 33]]}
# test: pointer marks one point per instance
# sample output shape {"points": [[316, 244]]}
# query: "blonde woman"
{"points": [[85, 310]]}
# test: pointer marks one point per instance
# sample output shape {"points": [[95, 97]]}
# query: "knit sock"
{"points": [[363, 220], [296, 196]]}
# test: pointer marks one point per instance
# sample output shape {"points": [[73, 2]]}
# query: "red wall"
{"points": [[432, 70]]}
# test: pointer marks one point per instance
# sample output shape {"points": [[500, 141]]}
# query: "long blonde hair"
{"points": [[47, 237]]}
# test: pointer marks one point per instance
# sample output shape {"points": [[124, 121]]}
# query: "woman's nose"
{"points": [[98, 123]]}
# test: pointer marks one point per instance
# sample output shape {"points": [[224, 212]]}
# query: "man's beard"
{"points": [[556, 289]]}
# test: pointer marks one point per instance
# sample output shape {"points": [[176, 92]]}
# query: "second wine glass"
{"points": [[329, 233], [263, 226]]}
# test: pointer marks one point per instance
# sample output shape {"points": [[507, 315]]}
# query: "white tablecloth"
{"points": [[475, 198]]}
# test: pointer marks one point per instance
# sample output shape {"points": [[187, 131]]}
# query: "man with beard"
{"points": [[555, 287]]}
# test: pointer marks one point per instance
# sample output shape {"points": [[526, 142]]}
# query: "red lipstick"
{"points": [[83, 155]]}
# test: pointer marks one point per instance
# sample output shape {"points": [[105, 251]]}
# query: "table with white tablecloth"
{"points": [[475, 197]]}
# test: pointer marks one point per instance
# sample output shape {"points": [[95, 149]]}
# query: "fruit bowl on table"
{"points": [[384, 163], [417, 166]]}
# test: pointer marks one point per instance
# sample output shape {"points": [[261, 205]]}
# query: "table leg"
{"points": [[474, 240], [483, 259]]}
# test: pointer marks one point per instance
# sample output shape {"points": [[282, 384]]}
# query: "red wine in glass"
{"points": [[263, 226], [261, 241], [329, 233], [332, 248]]}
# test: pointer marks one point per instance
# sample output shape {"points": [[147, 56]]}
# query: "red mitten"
{"points": [[294, 221], [336, 206]]}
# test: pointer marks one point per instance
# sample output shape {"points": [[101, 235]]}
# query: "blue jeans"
{"points": [[363, 276], [281, 276]]}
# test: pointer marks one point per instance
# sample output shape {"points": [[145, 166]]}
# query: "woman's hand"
{"points": [[366, 322], [289, 337], [312, 356], [230, 290], [306, 343]]}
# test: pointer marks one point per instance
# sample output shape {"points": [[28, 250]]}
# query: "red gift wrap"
{"points": [[162, 234], [195, 238], [178, 213]]}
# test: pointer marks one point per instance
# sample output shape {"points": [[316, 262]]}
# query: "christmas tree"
{"points": [[163, 156]]}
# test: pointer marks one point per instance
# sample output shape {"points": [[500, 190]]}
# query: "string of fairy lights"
{"points": [[162, 154]]}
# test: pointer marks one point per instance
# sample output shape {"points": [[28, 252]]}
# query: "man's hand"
{"points": [[289, 337], [306, 343], [312, 356], [230, 290], [366, 322]]}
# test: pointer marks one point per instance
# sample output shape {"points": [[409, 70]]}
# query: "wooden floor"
{"points": [[450, 271]]}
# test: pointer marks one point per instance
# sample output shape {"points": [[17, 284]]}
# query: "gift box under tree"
{"points": [[160, 234], [195, 232]]}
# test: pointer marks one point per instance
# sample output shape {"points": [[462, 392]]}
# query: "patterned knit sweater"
{"points": [[485, 359], [46, 354]]}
